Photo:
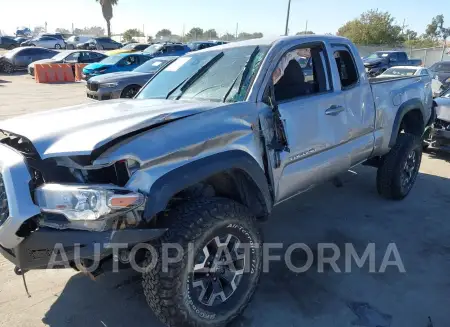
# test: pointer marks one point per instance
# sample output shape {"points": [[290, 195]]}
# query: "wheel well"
{"points": [[234, 184], [129, 86], [412, 123]]}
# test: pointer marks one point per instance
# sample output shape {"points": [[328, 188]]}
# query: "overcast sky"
{"points": [[266, 16]]}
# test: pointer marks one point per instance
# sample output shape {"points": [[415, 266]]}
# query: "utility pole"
{"points": [[72, 28], [237, 28], [403, 25], [286, 31], [306, 27]]}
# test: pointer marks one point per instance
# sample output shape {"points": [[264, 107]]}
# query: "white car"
{"points": [[400, 71], [48, 42], [71, 42]]}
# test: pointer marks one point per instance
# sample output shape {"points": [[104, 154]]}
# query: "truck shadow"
{"points": [[352, 214]]}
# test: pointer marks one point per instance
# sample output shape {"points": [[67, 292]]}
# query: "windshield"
{"points": [[11, 53], [441, 67], [377, 55], [61, 55], [153, 48], [400, 71], [217, 76], [111, 60], [151, 66]]}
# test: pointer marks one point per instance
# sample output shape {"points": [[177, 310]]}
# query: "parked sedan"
{"points": [[200, 45], [20, 58], [7, 42], [124, 84], [70, 57], [100, 43], [124, 62], [441, 71], [166, 49], [45, 42]]}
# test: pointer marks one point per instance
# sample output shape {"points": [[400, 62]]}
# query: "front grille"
{"points": [[92, 86], [4, 209]]}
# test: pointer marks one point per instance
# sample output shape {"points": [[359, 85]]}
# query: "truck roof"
{"points": [[389, 51], [273, 40]]}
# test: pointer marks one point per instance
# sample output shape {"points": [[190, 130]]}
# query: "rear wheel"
{"points": [[130, 91], [219, 269], [398, 172], [57, 46]]}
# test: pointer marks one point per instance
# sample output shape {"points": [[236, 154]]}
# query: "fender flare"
{"points": [[412, 104], [187, 175]]}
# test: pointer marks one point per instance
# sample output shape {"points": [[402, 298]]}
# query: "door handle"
{"points": [[334, 110]]}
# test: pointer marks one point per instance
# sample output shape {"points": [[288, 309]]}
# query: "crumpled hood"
{"points": [[443, 108], [95, 66], [372, 62], [79, 130], [119, 76]]}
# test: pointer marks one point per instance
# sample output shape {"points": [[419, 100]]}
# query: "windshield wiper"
{"points": [[244, 74], [191, 80]]}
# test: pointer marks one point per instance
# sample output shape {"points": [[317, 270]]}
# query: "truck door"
{"points": [[315, 121], [354, 87]]}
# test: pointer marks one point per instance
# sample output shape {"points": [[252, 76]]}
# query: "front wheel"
{"points": [[218, 271], [398, 172], [57, 46], [8, 68], [129, 92]]}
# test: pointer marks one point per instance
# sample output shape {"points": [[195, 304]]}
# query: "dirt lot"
{"points": [[419, 226]]}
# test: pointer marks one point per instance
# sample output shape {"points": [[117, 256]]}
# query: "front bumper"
{"points": [[15, 179], [104, 93], [46, 244]]}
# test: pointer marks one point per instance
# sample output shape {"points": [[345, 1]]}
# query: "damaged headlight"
{"points": [[86, 202]]}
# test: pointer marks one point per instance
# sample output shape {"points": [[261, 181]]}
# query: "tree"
{"points": [[410, 35], [130, 33], [149, 39], [107, 11], [257, 35], [38, 30], [228, 37], [305, 33], [163, 33], [195, 33], [210, 34], [437, 30], [62, 30], [372, 27], [422, 42]]}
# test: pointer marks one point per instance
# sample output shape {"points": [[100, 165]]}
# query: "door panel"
{"points": [[358, 100], [313, 137]]}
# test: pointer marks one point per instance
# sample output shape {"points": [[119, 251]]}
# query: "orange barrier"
{"points": [[79, 71], [51, 73]]}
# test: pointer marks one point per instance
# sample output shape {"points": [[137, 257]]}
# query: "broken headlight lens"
{"points": [[86, 202]]}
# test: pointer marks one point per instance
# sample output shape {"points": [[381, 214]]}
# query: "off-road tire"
{"points": [[169, 294], [389, 173]]}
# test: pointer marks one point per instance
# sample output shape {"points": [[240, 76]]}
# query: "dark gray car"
{"points": [[100, 43], [124, 84], [20, 58]]}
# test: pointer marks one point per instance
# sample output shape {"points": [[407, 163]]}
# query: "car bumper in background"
{"points": [[439, 136], [104, 93], [31, 70]]}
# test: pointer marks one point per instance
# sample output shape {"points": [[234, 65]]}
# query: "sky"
{"points": [[266, 16]]}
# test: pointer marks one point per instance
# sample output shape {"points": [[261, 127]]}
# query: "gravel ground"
{"points": [[354, 214]]}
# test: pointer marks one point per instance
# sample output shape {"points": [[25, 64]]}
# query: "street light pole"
{"points": [[287, 18]]}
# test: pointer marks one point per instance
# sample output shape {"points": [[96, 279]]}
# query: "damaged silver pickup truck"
{"points": [[206, 149]]}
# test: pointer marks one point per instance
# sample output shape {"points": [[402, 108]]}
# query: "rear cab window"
{"points": [[346, 66]]}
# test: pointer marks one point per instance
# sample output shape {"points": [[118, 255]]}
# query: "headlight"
{"points": [[447, 80], [106, 85], [86, 202]]}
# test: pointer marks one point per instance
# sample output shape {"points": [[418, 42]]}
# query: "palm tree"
{"points": [[107, 11]]}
